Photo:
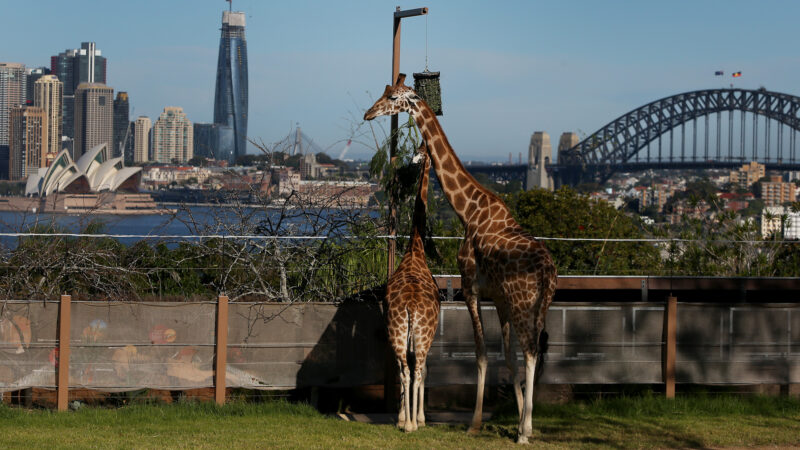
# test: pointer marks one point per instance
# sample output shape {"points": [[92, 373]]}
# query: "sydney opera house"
{"points": [[94, 172], [94, 184]]}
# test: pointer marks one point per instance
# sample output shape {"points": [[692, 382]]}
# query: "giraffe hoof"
{"points": [[522, 439], [472, 431]]}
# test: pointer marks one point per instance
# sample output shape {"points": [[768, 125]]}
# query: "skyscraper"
{"points": [[141, 141], [173, 136], [230, 95], [47, 95], [28, 140], [31, 75], [121, 121], [73, 67], [205, 139], [12, 93], [94, 117]]}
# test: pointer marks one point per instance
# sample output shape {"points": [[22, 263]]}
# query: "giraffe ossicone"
{"points": [[497, 258]]}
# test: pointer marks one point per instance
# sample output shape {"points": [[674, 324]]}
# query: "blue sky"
{"points": [[508, 68]]}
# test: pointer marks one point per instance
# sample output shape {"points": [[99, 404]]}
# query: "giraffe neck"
{"points": [[461, 189], [420, 208]]}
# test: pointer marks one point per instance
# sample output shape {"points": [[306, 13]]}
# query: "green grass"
{"points": [[641, 422]]}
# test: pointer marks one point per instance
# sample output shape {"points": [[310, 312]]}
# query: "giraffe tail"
{"points": [[541, 350]]}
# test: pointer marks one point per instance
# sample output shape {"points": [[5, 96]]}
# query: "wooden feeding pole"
{"points": [[398, 17], [62, 366], [389, 385]]}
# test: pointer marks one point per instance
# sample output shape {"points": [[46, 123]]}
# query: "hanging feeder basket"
{"points": [[427, 86]]}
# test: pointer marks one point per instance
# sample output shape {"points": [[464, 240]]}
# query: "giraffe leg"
{"points": [[469, 270], [526, 421], [473, 305], [504, 315], [421, 389], [398, 337], [405, 380]]}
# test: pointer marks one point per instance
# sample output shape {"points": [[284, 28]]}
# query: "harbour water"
{"points": [[186, 222]]}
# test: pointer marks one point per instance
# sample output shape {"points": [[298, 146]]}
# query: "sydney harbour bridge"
{"points": [[712, 128]]}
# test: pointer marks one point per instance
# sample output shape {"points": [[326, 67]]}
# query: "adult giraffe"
{"points": [[497, 258], [412, 299]]}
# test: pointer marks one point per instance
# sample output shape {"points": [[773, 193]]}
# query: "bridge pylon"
{"points": [[540, 153]]}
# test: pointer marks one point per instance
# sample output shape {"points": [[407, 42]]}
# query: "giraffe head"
{"points": [[395, 99]]}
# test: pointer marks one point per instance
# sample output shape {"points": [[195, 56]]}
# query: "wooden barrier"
{"points": [[62, 368], [221, 349], [670, 328]]}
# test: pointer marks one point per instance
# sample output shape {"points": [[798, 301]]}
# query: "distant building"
{"points": [[162, 176], [31, 76], [748, 174], [12, 94], [173, 136], [73, 67], [735, 202], [141, 140], [683, 210], [47, 95], [130, 144], [94, 117], [287, 180], [205, 139], [27, 141], [310, 168], [777, 219], [121, 121], [231, 91], [540, 154], [776, 192]]}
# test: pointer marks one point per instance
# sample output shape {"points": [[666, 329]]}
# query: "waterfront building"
{"points": [[12, 94], [205, 139], [27, 141], [748, 174], [231, 91], [173, 136], [141, 139], [94, 117], [776, 192], [121, 121], [31, 76], [73, 67], [47, 94], [95, 171]]}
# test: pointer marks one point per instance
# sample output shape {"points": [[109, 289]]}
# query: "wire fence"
{"points": [[325, 267]]}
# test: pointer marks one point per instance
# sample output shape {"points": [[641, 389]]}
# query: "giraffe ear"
{"points": [[401, 79]]}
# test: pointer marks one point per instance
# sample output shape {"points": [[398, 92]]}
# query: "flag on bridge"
{"points": [[737, 74], [719, 72]]}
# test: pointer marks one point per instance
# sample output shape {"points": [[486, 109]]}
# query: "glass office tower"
{"points": [[230, 97]]}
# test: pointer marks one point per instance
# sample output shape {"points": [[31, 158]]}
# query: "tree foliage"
{"points": [[567, 214]]}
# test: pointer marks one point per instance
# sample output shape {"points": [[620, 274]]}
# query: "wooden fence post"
{"points": [[62, 367], [670, 348], [221, 349]]}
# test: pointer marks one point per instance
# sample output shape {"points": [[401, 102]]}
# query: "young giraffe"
{"points": [[413, 306], [497, 258]]}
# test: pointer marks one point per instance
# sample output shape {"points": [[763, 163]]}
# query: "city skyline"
{"points": [[506, 72]]}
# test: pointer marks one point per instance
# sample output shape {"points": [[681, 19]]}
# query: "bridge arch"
{"points": [[620, 141]]}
